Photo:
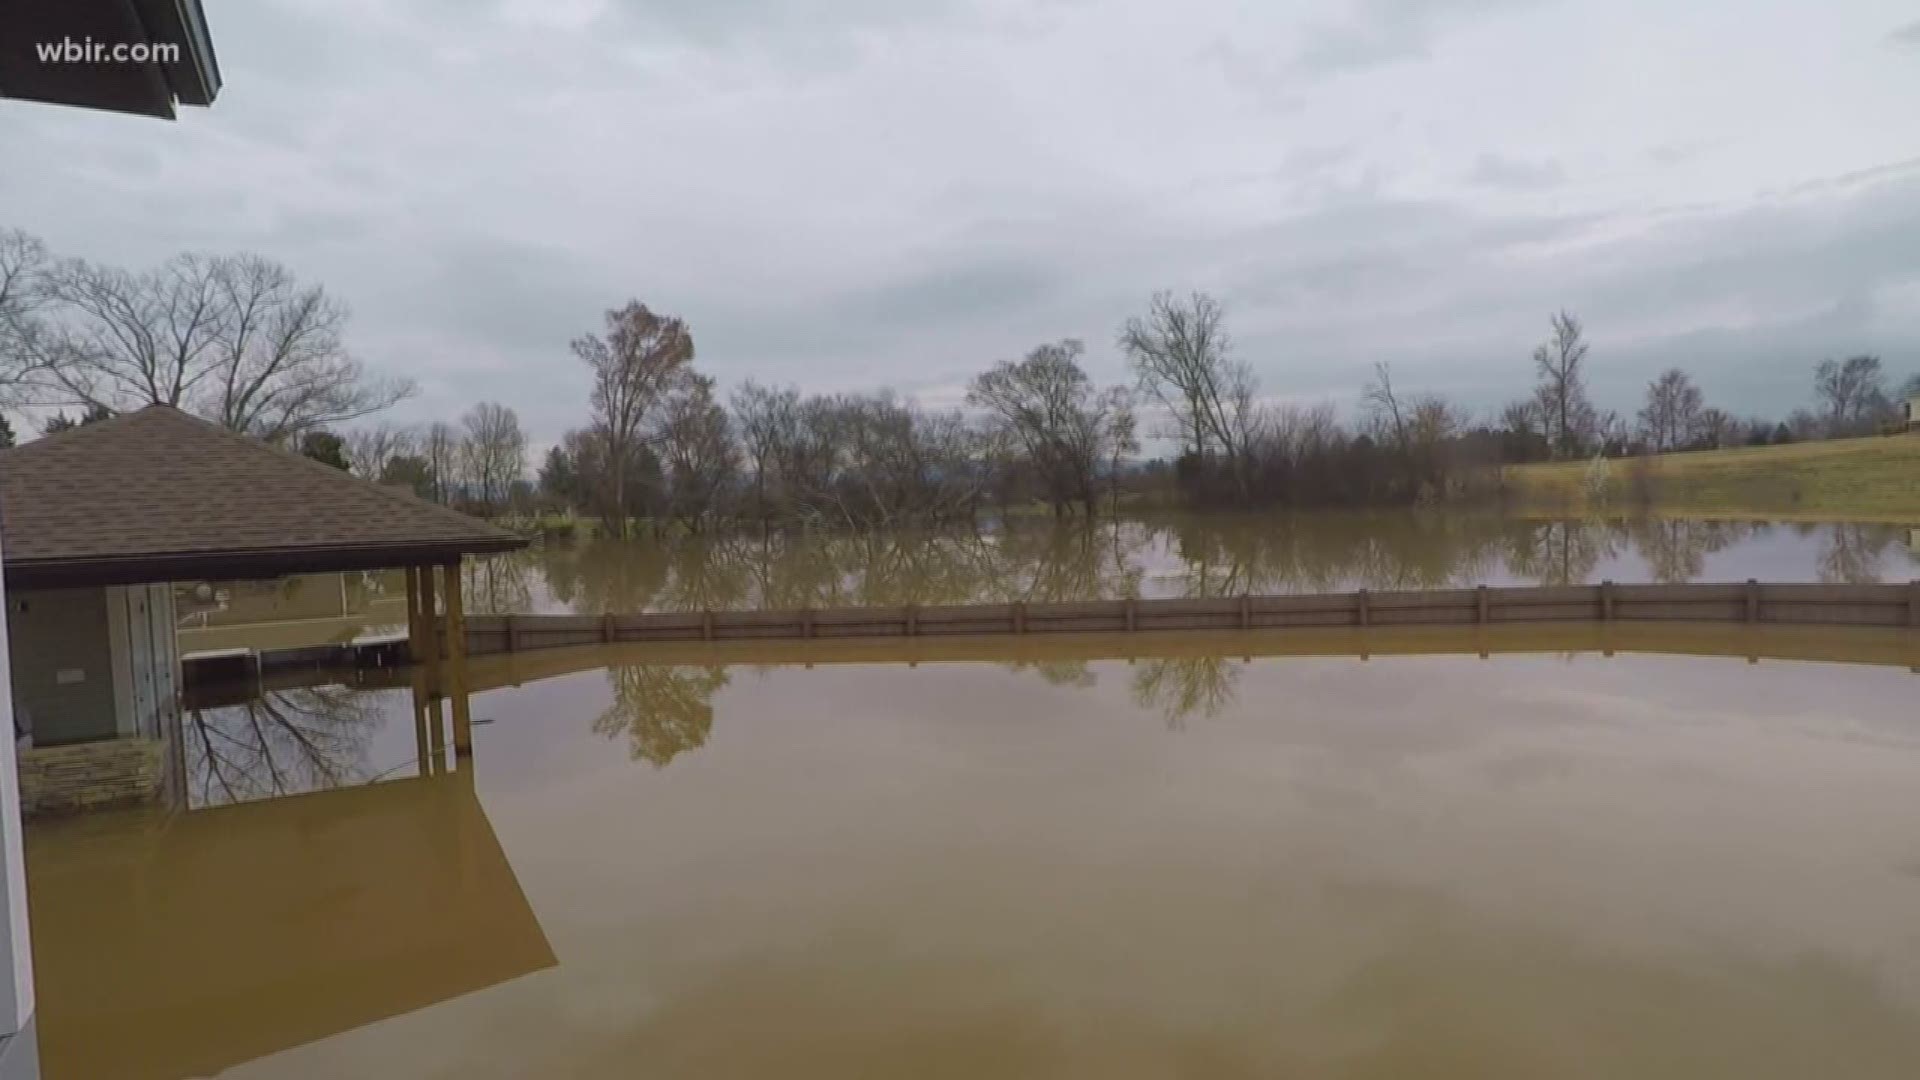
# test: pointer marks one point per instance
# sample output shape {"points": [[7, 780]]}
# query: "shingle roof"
{"points": [[158, 495]]}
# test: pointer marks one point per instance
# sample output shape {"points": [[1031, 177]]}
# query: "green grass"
{"points": [[1871, 479]]}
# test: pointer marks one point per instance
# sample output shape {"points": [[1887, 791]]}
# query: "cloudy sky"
{"points": [[849, 193]]}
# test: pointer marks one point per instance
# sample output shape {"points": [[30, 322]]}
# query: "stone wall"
{"points": [[87, 776]]}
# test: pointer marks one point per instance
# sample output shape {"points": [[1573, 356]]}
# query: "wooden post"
{"points": [[1020, 617], [1913, 604], [913, 621], [436, 731], [1366, 612], [806, 624], [1606, 601], [1129, 611], [1753, 600], [706, 624], [457, 662], [430, 630], [416, 648], [422, 742], [1480, 608], [608, 632], [513, 634], [1246, 612]]}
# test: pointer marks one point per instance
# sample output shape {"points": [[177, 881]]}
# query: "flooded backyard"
{"points": [[1044, 859]]}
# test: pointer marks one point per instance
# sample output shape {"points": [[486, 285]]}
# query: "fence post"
{"points": [[1913, 603], [1366, 612], [1127, 611], [913, 620], [1606, 601], [806, 623], [1020, 617], [706, 624], [513, 634], [1480, 605], [1753, 600], [1246, 612]]}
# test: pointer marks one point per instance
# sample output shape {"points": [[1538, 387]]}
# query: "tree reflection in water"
{"points": [[1856, 554], [499, 584], [1186, 687], [664, 710], [282, 743]]}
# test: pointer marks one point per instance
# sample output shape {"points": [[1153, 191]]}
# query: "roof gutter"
{"points": [[86, 572]]}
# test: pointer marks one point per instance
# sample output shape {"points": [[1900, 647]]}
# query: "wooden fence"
{"points": [[1884, 606]]}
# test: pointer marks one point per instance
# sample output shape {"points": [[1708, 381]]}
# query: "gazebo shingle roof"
{"points": [[158, 495]]}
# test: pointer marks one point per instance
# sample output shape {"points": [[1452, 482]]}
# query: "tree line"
{"points": [[239, 340], [661, 444]]}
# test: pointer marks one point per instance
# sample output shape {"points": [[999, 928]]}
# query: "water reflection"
{"points": [[665, 711], [169, 946], [663, 707], [1179, 556], [1419, 865], [1187, 687], [281, 743], [1858, 554], [662, 710]]}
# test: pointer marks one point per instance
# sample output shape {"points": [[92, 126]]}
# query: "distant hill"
{"points": [[1870, 479]]}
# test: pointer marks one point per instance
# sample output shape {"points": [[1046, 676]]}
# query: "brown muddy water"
{"points": [[1032, 863]]}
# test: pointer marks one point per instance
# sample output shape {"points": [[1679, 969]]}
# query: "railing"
{"points": [[1896, 605]]}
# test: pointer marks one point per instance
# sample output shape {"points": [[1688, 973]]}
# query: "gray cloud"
{"points": [[1493, 170], [1384, 31], [843, 195], [1908, 35]]}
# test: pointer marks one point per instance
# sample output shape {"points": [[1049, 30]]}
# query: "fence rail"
{"points": [[1896, 605]]}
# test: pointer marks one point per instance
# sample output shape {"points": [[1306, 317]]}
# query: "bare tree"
{"points": [[236, 339], [697, 449], [1418, 428], [440, 449], [1671, 418], [1068, 430], [1568, 416], [371, 447], [586, 453], [279, 365], [135, 338], [1851, 393], [26, 343], [1180, 352], [1717, 428], [495, 452], [768, 421], [640, 357]]}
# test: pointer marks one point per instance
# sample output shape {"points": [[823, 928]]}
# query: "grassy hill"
{"points": [[1871, 479]]}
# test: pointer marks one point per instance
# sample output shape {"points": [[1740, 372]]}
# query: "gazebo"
{"points": [[98, 521]]}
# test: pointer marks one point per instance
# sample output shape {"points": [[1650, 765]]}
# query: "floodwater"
{"points": [[1038, 560], [1045, 859]]}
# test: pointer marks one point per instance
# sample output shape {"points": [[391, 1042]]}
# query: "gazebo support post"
{"points": [[430, 632], [456, 636], [416, 643]]}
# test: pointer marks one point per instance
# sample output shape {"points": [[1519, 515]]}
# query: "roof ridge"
{"points": [[118, 419]]}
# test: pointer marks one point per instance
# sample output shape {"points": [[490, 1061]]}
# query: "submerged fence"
{"points": [[1896, 605]]}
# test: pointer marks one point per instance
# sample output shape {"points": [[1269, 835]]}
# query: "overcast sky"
{"points": [[844, 194]]}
